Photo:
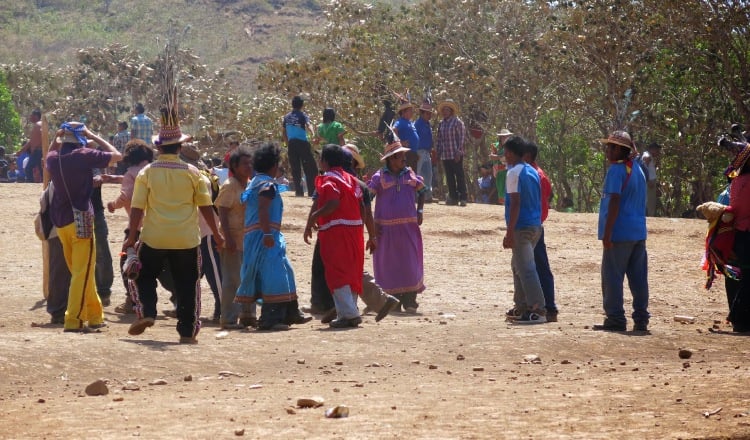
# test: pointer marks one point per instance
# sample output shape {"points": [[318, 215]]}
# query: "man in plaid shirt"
{"points": [[450, 149], [141, 126]]}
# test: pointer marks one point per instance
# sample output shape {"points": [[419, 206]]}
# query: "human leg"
{"points": [[614, 266], [424, 169], [546, 279], [187, 263], [310, 167], [450, 181], [293, 153], [460, 182], [526, 286], [637, 273], [346, 303], [59, 281], [321, 298], [231, 262], [211, 267], [104, 273], [80, 257], [738, 291], [143, 289]]}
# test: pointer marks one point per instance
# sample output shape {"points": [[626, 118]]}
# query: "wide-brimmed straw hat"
{"points": [[426, 107], [448, 103], [356, 157], [504, 132], [191, 154], [405, 106], [393, 148], [618, 137]]}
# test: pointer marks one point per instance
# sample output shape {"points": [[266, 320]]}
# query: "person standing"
{"points": [[541, 259], [406, 131], [71, 167], [33, 168], [649, 158], [120, 139], [622, 230], [167, 198], [104, 273], [338, 216], [330, 131], [295, 126], [424, 150], [141, 126], [451, 136], [398, 260], [499, 169], [523, 218]]}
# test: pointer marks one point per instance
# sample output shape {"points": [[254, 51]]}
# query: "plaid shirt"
{"points": [[120, 139], [141, 128], [451, 136]]}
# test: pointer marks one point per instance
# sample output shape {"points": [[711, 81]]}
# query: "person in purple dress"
{"points": [[398, 259]]}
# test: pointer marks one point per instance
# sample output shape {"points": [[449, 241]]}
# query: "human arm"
{"points": [[208, 214], [105, 146], [307, 234], [515, 211], [264, 219], [327, 209], [229, 244], [420, 207], [609, 224], [283, 132]]}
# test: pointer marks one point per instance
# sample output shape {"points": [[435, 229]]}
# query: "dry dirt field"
{"points": [[457, 371]]}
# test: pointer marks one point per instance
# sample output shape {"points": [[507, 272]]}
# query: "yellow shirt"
{"points": [[229, 198], [169, 191]]}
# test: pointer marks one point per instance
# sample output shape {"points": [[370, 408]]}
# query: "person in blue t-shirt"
{"points": [[295, 126], [424, 150], [523, 217], [405, 130], [622, 230]]}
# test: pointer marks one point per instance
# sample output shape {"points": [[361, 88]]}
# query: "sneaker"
{"points": [[551, 316], [125, 308], [390, 304], [188, 340], [299, 319], [531, 318], [609, 327], [410, 310], [640, 326], [328, 316], [462, 203], [513, 314], [57, 319], [345, 323], [140, 326]]}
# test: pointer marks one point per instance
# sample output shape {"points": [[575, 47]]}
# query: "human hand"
{"points": [[111, 207], [508, 241], [372, 244]]}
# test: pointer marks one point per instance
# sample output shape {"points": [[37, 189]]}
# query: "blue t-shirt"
{"points": [[522, 178], [631, 220], [295, 122], [407, 132], [424, 131]]}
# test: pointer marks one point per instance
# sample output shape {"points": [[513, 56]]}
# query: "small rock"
{"points": [[158, 382], [310, 402], [477, 369], [416, 362], [433, 367], [337, 412], [239, 432], [290, 410], [40, 401], [565, 362], [532, 359], [188, 378], [374, 364], [97, 388], [460, 357], [301, 361], [686, 365], [118, 399], [255, 386], [131, 386], [685, 353], [222, 334], [338, 363]]}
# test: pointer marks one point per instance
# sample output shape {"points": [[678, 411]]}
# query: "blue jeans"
{"points": [[546, 279], [527, 290], [625, 258], [424, 169], [104, 274]]}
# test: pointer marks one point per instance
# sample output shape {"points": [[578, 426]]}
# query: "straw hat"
{"points": [[189, 153], [426, 107], [393, 148], [356, 157], [619, 137], [504, 132], [170, 132], [448, 103], [405, 106]]}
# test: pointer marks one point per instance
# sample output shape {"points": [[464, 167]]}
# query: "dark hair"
{"points": [[653, 145], [36, 112], [333, 155], [122, 124], [329, 115], [532, 149], [516, 145], [171, 148], [266, 157], [237, 155], [297, 102], [136, 151], [139, 108]]}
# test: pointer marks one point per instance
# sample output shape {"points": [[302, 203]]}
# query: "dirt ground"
{"points": [[457, 370]]}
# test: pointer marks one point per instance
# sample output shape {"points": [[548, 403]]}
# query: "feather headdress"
{"points": [[170, 132]]}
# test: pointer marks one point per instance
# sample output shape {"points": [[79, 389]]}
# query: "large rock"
{"points": [[97, 388]]}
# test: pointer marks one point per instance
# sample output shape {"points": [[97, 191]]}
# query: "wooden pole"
{"points": [[45, 183]]}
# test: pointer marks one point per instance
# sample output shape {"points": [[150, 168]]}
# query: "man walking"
{"points": [[141, 126], [295, 126], [450, 149]]}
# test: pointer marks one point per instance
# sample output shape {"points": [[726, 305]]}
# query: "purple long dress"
{"points": [[398, 259]]}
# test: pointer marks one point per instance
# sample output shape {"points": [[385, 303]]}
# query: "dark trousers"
{"points": [[104, 274], [321, 297], [211, 268], [33, 170], [738, 291], [165, 277], [455, 179], [301, 158], [186, 263], [546, 279], [59, 279]]}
